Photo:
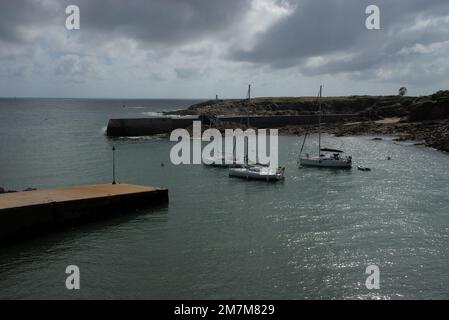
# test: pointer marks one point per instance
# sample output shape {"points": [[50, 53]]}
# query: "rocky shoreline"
{"points": [[3, 190], [434, 134], [424, 118]]}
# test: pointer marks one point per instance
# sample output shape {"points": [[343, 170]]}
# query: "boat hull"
{"points": [[326, 163], [262, 174], [363, 168], [223, 163]]}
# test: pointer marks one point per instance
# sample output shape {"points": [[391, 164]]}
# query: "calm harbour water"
{"points": [[311, 236]]}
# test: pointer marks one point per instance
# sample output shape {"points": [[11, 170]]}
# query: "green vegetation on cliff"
{"points": [[432, 107]]}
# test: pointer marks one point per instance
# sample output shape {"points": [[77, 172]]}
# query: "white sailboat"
{"points": [[327, 158], [257, 171]]}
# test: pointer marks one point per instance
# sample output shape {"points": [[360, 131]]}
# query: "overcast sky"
{"points": [[199, 48]]}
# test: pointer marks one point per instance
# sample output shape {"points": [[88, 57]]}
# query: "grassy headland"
{"points": [[424, 118]]}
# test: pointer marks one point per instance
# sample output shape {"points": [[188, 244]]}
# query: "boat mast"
{"points": [[234, 152], [249, 101], [303, 143], [319, 123], [246, 150]]}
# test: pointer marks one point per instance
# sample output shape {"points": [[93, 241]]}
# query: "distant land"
{"points": [[424, 118]]}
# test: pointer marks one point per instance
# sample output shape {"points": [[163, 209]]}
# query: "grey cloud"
{"points": [[333, 30], [160, 22], [71, 65], [186, 73], [332, 27], [315, 27], [168, 22], [19, 15]]}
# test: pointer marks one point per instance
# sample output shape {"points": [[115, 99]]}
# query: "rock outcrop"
{"points": [[3, 190], [435, 107]]}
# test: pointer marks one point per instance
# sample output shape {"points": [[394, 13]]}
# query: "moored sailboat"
{"points": [[257, 171], [327, 158]]}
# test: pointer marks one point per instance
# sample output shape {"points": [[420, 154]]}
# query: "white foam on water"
{"points": [[172, 116], [153, 137], [153, 114], [178, 116]]}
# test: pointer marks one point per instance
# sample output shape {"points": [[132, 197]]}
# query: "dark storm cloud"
{"points": [[176, 39], [326, 27], [169, 22], [315, 27], [18, 15]]}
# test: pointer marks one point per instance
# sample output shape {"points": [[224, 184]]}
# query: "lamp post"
{"points": [[113, 164]]}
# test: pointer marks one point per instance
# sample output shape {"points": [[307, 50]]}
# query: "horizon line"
{"points": [[205, 99]]}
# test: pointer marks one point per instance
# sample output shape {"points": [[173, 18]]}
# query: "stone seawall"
{"points": [[146, 126], [158, 125]]}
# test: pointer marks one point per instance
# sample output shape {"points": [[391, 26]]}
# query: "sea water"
{"points": [[311, 236]]}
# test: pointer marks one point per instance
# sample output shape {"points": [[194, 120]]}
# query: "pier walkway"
{"points": [[29, 212]]}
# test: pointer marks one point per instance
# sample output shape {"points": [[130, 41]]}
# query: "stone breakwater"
{"points": [[415, 118], [161, 125]]}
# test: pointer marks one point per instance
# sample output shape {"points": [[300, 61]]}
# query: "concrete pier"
{"points": [[157, 125], [31, 212]]}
